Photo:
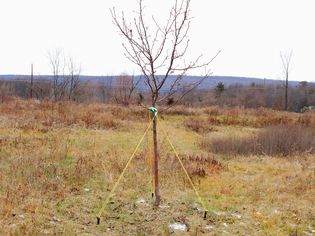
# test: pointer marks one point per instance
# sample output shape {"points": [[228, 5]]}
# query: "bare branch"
{"points": [[160, 49]]}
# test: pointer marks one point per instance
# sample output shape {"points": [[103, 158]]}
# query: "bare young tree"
{"points": [[57, 63], [54, 59], [105, 86], [286, 67], [73, 78], [125, 88], [159, 51], [66, 75]]}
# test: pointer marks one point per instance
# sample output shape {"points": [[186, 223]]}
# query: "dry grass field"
{"points": [[255, 170]]}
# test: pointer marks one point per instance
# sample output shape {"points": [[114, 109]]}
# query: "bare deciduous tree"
{"points": [[106, 88], [286, 67], [73, 80], [55, 59], [66, 75], [125, 87], [32, 82], [6, 90], [159, 51]]}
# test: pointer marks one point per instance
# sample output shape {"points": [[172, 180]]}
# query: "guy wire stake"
{"points": [[98, 220], [205, 215]]}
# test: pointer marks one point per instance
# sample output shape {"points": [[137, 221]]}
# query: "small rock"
{"points": [[140, 201], [196, 207], [219, 213], [178, 226], [292, 225], [22, 216], [87, 189], [210, 226], [87, 222], [164, 206], [307, 233], [236, 215], [276, 211], [55, 219], [225, 225], [256, 223], [12, 226], [52, 222]]}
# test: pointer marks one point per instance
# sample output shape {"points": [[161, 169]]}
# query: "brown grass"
{"points": [[44, 114], [195, 164], [99, 115], [199, 126], [257, 118], [58, 162], [279, 140]]}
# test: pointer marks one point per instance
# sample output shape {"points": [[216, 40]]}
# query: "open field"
{"points": [[58, 162]]}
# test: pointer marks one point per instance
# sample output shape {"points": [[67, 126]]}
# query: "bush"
{"points": [[195, 164], [281, 140], [199, 126], [257, 118]]}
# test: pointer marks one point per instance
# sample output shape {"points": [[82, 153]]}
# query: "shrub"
{"points": [[196, 165], [199, 126], [257, 118], [282, 140], [180, 110]]}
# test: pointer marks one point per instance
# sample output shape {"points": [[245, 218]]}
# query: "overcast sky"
{"points": [[250, 33]]}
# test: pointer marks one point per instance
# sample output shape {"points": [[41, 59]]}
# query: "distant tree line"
{"points": [[70, 87], [256, 95], [125, 90]]}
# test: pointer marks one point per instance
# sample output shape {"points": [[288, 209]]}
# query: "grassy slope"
{"points": [[55, 171]]}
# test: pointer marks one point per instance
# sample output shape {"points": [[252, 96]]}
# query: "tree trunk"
{"points": [[31, 92], [156, 166], [286, 93]]}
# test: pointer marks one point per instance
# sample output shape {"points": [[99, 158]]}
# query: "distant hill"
{"points": [[210, 82]]}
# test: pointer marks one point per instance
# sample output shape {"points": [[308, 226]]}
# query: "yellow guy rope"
{"points": [[181, 163], [98, 217]]}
